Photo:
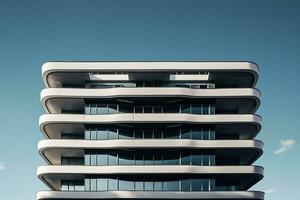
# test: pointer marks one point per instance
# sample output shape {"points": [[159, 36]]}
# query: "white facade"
{"points": [[150, 130]]}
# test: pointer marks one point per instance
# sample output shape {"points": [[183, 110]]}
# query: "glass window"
{"points": [[205, 134], [186, 185], [148, 109], [87, 134], [196, 184], [125, 134], [139, 185], [149, 185], [102, 109], [196, 108], [112, 134], [126, 185], [126, 159], [139, 134], [102, 134], [206, 159], [171, 159], [212, 184], [112, 159], [171, 108], [139, 159], [112, 108], [138, 109], [196, 159], [205, 185], [157, 134], [112, 184], [158, 186], [212, 135], [212, 109], [185, 159], [93, 184], [64, 186], [172, 134], [185, 133], [87, 110], [93, 135], [93, 109], [102, 159], [102, 184], [157, 109], [79, 186], [212, 160], [148, 134], [158, 160], [185, 108], [171, 185], [87, 184], [87, 159], [148, 159], [93, 160], [205, 109], [196, 134]]}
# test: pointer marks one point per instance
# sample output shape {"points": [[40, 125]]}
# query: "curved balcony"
{"points": [[240, 74], [247, 176], [246, 100], [53, 124], [249, 195], [246, 150]]}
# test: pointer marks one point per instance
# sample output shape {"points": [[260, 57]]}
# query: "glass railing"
{"points": [[150, 84], [138, 158], [105, 109], [139, 184], [174, 133]]}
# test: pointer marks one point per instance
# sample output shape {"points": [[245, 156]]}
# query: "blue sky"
{"points": [[32, 32]]}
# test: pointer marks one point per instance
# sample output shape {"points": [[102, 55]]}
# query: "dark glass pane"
{"points": [[205, 184], [205, 160], [148, 159], [148, 134], [185, 108], [171, 185], [185, 133], [196, 184], [185, 159], [205, 109], [125, 134], [171, 159], [157, 109], [196, 159], [139, 159], [157, 134], [126, 158], [171, 109], [196, 134], [148, 109], [139, 134], [138, 109], [112, 108], [158, 160], [186, 185], [205, 134], [196, 108], [172, 134]]}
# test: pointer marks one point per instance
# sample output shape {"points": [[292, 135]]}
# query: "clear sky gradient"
{"points": [[33, 32]]}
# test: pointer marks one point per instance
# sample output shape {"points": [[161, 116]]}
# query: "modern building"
{"points": [[150, 130]]}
